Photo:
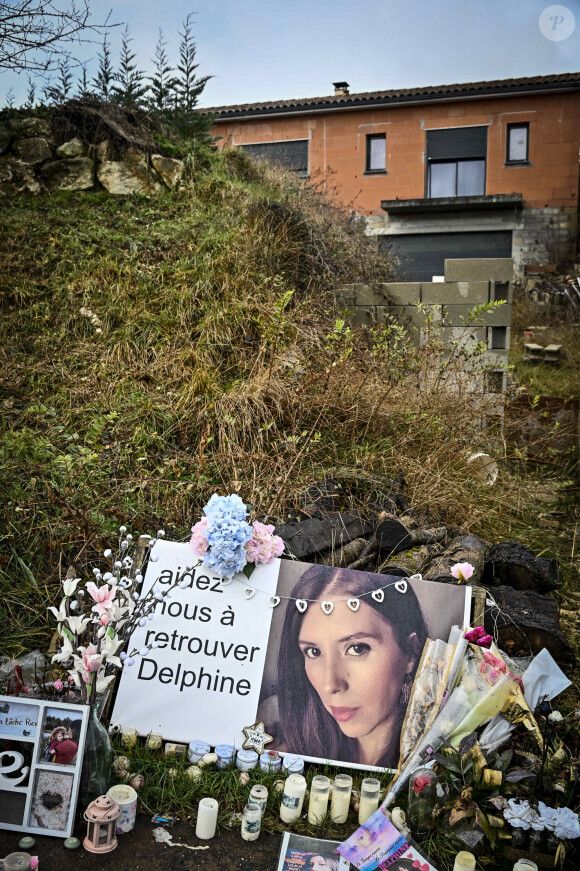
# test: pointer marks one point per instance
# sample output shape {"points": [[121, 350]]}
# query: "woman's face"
{"points": [[354, 663], [318, 863]]}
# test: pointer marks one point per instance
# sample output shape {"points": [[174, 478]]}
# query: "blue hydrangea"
{"points": [[227, 534]]}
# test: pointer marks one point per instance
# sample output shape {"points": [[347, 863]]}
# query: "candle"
{"points": [[207, 811], [246, 760], [259, 796], [339, 806], [465, 861], [175, 749], [521, 865], [126, 798], [270, 761], [251, 821], [318, 804], [225, 755], [293, 798], [196, 750], [293, 764], [369, 798], [17, 862], [129, 737], [154, 741]]}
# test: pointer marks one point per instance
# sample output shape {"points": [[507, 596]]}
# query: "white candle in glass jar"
{"points": [[340, 804], [129, 737], [251, 822], [318, 804], [259, 796], [370, 792], [154, 741], [207, 812], [465, 861], [293, 798]]}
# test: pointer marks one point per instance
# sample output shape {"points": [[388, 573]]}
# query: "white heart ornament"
{"points": [[353, 604], [226, 581], [248, 592], [327, 607], [401, 586], [378, 595], [302, 605], [274, 600]]}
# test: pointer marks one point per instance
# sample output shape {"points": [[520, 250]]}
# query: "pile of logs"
{"points": [[393, 541]]}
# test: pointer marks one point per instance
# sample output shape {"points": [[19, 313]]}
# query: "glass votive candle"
{"points": [[251, 822], [341, 790], [370, 793], [196, 750], [293, 764], [129, 737], [318, 804], [225, 755], [259, 796], [292, 798], [246, 760], [270, 760], [154, 741], [207, 812]]}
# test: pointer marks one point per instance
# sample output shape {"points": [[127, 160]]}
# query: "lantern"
{"points": [[101, 816]]}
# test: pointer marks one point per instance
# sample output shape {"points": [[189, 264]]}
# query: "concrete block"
{"points": [[363, 316], [456, 292], [465, 336], [407, 315], [346, 295], [501, 290], [404, 292], [456, 315], [480, 269], [370, 294]]}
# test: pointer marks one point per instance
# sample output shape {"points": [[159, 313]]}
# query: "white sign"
{"points": [[203, 679]]}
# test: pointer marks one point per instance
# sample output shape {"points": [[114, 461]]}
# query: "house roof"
{"points": [[432, 93]]}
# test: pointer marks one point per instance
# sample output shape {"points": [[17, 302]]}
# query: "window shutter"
{"points": [[291, 155], [461, 142]]}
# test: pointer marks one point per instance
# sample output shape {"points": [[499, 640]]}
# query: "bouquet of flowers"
{"points": [[96, 618], [227, 543]]}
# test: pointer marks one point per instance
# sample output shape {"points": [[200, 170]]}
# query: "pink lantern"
{"points": [[101, 816]]}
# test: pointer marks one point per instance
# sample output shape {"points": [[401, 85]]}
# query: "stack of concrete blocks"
{"points": [[468, 283]]}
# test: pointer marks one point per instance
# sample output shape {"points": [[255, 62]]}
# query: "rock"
{"points": [[32, 151], [527, 622], [463, 549], [16, 177], [75, 174], [123, 177], [27, 128], [72, 148], [169, 169], [517, 566], [315, 536], [103, 151], [5, 138], [320, 498]]}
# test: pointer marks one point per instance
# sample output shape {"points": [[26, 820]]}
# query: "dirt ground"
{"points": [[138, 851]]}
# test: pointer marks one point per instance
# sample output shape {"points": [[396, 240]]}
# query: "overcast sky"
{"points": [[262, 50]]}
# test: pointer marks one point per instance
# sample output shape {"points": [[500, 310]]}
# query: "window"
{"points": [[291, 154], [517, 143], [456, 162], [376, 159]]}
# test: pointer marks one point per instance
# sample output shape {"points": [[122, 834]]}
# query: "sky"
{"points": [[261, 50]]}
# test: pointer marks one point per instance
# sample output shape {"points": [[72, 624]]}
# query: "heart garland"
{"points": [[353, 604], [302, 605], [327, 607], [248, 592]]}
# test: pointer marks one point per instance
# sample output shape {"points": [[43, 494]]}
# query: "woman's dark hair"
{"points": [[307, 727]]}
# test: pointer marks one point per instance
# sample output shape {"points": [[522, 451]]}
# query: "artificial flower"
{"points": [[263, 547], [567, 825], [199, 542], [555, 717], [58, 685], [462, 571], [520, 815], [69, 585], [77, 624], [103, 596], [420, 783]]}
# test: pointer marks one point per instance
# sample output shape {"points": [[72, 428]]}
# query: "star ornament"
{"points": [[256, 737]]}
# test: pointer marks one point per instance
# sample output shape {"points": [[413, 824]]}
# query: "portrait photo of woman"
{"points": [[344, 678], [321, 862]]}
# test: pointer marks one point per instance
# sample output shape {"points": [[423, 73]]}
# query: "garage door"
{"points": [[421, 256]]}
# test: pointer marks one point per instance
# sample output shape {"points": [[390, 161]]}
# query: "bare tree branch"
{"points": [[38, 35]]}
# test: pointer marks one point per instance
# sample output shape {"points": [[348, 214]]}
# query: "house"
{"points": [[478, 170]]}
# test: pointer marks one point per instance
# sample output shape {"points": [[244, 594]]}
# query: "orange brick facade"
{"points": [[337, 147]]}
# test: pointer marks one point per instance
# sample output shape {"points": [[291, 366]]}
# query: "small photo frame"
{"points": [[41, 752]]}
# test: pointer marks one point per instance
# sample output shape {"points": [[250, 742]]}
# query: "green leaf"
{"points": [[248, 569]]}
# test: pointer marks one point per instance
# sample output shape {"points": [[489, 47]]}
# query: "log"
{"points": [[525, 622], [463, 549], [346, 554], [316, 536], [411, 563], [515, 565], [393, 536]]}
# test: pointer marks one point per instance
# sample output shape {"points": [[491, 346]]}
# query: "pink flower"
{"points": [[462, 571], [199, 542], [486, 641], [58, 685], [475, 634], [420, 783], [103, 596], [34, 862], [92, 661], [263, 547]]}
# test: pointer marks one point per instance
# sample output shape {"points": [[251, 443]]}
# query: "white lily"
{"points": [[65, 651], [103, 682], [77, 625], [69, 585], [60, 614]]}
